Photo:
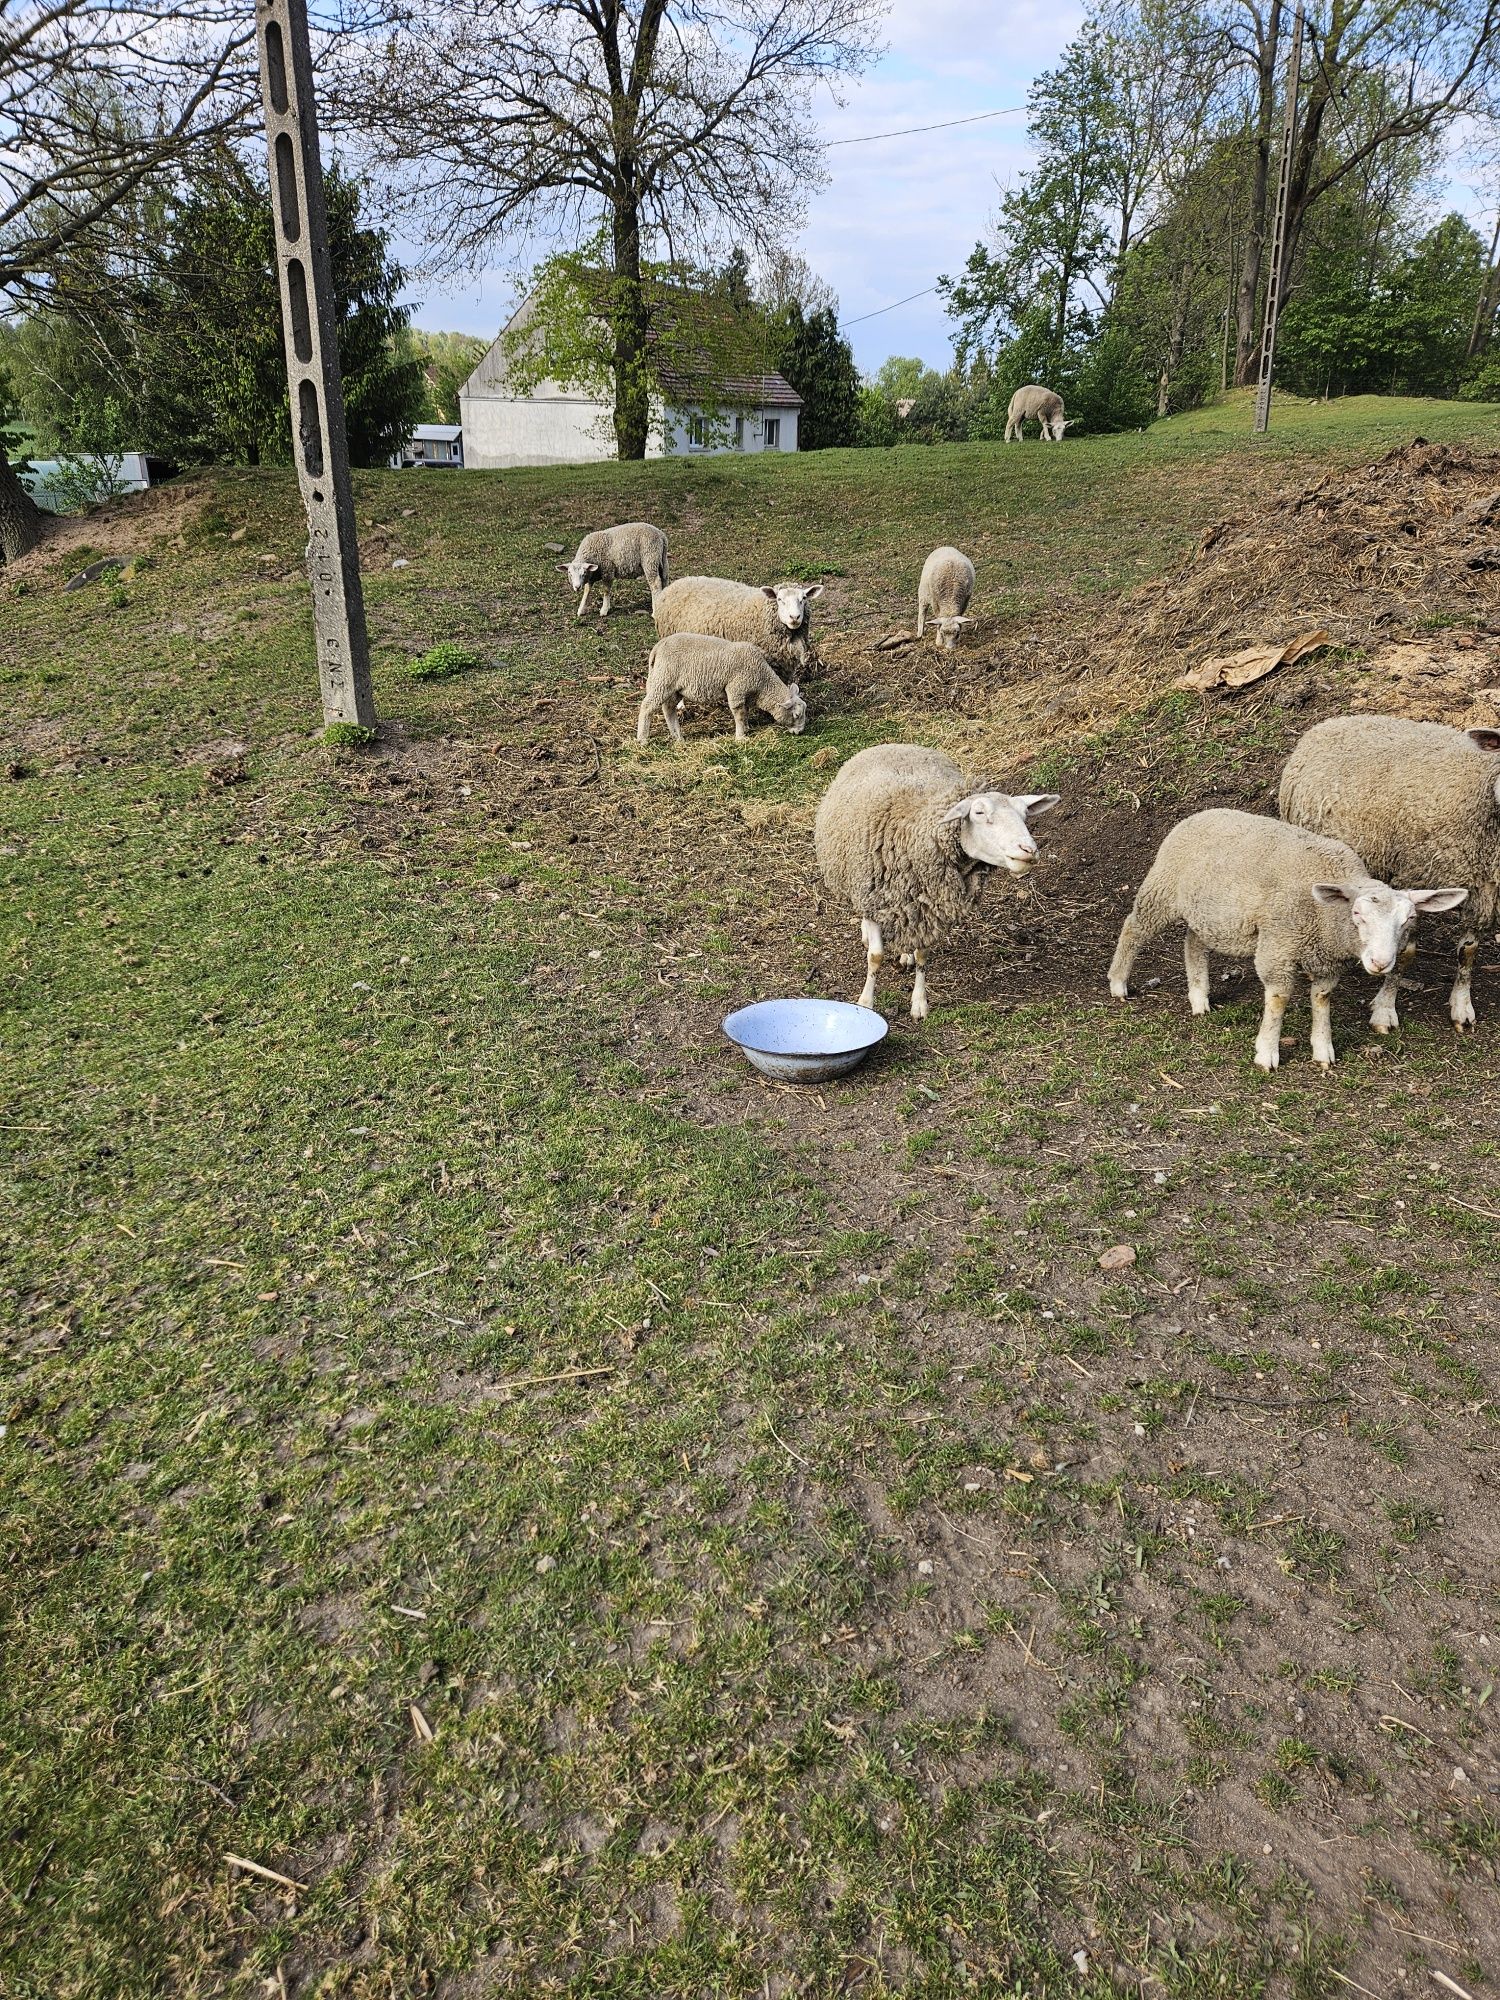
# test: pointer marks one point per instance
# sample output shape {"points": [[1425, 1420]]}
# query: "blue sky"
{"points": [[897, 213]]}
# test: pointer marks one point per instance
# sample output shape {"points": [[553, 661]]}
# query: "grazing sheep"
{"points": [[774, 617], [945, 589], [1418, 800], [1299, 903], [635, 548], [908, 839], [1044, 405], [698, 670]]}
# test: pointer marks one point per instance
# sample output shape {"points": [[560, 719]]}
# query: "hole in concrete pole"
{"points": [[276, 66], [310, 428], [286, 187], [296, 284]]}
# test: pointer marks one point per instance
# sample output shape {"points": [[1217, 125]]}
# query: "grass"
{"points": [[597, 1524]]}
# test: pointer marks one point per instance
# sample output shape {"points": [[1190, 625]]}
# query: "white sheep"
{"points": [[634, 548], [910, 841], [1418, 800], [1034, 402], [774, 617], [1300, 904], [946, 585], [697, 671]]}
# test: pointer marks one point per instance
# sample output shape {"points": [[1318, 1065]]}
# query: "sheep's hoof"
{"points": [[1268, 1063], [1324, 1063], [1196, 1006], [1119, 990], [919, 1010]]}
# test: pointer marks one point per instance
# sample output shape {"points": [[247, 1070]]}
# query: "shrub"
{"points": [[442, 662], [349, 736]]}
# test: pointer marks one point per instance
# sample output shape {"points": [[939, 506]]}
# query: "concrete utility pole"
{"points": [[1276, 277], [312, 359]]}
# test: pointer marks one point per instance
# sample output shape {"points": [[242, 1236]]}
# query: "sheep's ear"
{"points": [[1029, 804], [1332, 892], [1484, 739], [768, 590], [960, 809], [1433, 900], [813, 590], [792, 688]]}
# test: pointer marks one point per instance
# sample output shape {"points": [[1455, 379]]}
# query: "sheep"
{"points": [[1298, 901], [635, 548], [946, 586], [694, 669], [909, 840], [775, 617], [1045, 405], [1418, 800]]}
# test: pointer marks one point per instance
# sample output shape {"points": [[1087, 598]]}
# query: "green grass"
{"points": [[601, 1525]]}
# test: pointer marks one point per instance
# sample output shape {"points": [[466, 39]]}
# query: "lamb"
{"points": [[1045, 405], [775, 617], [695, 669], [946, 586], [1418, 800], [635, 548], [1299, 902], [910, 841]]}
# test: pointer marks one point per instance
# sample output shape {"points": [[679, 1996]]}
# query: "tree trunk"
{"points": [[632, 383], [20, 517], [1484, 311], [1176, 335], [1255, 235]]}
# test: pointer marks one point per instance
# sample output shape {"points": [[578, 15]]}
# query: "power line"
{"points": [[888, 309], [869, 138]]}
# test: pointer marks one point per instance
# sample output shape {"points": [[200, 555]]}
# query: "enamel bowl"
{"points": [[805, 1041]]}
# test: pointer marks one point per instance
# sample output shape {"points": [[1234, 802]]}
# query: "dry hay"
{"points": [[1413, 538]]}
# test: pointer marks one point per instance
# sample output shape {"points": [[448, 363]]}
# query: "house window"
{"points": [[773, 433], [697, 434], [739, 433]]}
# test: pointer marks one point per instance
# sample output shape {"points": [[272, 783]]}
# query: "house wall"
{"points": [[754, 439], [552, 427]]}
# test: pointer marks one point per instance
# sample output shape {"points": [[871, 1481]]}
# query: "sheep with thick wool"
{"points": [[1301, 905], [943, 593], [1418, 800], [692, 670], [774, 617], [1034, 404], [911, 842], [634, 548]]}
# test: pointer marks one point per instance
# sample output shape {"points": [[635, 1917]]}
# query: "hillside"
{"points": [[579, 1518]]}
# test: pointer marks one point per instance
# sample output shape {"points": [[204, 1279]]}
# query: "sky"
{"points": [[898, 213]]}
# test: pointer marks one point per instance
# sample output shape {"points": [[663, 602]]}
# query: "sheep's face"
{"points": [[1383, 918], [580, 573], [791, 601], [794, 717], [947, 630], [992, 828]]}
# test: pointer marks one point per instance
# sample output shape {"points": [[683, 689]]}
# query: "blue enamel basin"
{"points": [[805, 1041]]}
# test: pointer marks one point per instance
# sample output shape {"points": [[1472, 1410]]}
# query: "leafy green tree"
{"points": [[447, 361], [813, 355]]}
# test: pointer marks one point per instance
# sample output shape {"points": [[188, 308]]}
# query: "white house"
{"points": [[56, 484], [432, 444], [558, 424]]}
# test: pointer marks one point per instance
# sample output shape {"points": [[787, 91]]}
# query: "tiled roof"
{"points": [[771, 392]]}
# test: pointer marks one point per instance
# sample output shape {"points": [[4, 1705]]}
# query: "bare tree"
{"points": [[95, 101], [673, 120]]}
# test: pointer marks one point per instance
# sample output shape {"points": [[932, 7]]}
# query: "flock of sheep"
{"points": [[1366, 802]]}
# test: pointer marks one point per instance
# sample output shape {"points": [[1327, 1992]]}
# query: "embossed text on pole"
{"points": [[312, 359]]}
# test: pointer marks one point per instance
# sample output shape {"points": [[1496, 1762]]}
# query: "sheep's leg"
{"points": [[1268, 1041], [583, 601], [672, 711], [608, 600], [1135, 935], [1322, 1022], [921, 615], [874, 953], [741, 728], [1383, 1015], [643, 721], [1195, 957], [1460, 1001], [919, 987]]}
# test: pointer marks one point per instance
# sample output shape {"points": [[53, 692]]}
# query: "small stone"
{"points": [[545, 1565], [1119, 1257], [554, 548], [1081, 1961], [924, 1567]]}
